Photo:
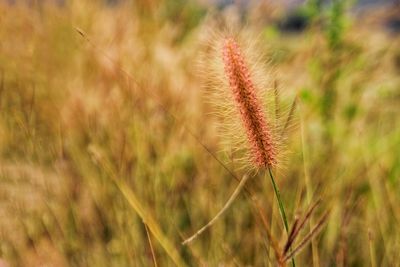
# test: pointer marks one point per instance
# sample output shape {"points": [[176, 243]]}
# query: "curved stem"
{"points": [[226, 206], [281, 208]]}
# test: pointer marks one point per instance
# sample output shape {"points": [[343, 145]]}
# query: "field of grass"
{"points": [[110, 154]]}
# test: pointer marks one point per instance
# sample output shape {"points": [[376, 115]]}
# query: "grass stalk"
{"points": [[153, 254], [371, 249], [216, 217], [281, 208], [150, 223], [309, 189]]}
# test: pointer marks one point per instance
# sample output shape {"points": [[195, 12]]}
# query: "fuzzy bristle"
{"points": [[262, 147]]}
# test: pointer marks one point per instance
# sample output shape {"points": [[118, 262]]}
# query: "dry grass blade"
{"points": [[291, 236], [273, 241], [226, 206], [290, 116], [297, 227], [309, 236], [141, 211], [277, 101], [153, 254], [371, 249], [1, 84], [150, 222]]}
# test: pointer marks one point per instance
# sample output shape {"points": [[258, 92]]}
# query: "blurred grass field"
{"points": [[91, 94]]}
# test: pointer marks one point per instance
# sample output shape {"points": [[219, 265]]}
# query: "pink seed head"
{"points": [[262, 147]]}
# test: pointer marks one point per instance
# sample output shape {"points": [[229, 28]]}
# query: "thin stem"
{"points": [[226, 206], [153, 254], [278, 196], [371, 249], [281, 208], [309, 236], [308, 187]]}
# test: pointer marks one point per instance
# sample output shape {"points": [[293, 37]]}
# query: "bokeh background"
{"points": [[103, 125]]}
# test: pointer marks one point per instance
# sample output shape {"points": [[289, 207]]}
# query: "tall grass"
{"points": [[64, 100]]}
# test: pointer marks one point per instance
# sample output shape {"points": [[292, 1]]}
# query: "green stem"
{"points": [[281, 208]]}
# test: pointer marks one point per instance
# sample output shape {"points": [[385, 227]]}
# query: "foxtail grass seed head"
{"points": [[249, 106]]}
